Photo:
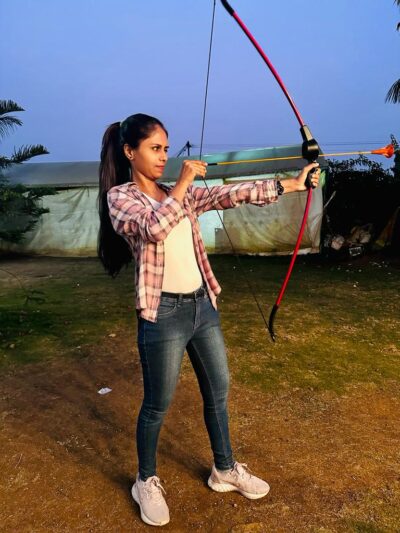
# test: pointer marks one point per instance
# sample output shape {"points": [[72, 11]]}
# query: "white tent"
{"points": [[70, 228]]}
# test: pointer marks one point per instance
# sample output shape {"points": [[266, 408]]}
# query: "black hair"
{"points": [[112, 249]]}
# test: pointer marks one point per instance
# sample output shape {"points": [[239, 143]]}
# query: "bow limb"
{"points": [[310, 152]]}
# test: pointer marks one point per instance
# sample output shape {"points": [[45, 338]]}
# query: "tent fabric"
{"points": [[272, 229], [71, 226], [69, 229], [58, 175], [85, 173]]}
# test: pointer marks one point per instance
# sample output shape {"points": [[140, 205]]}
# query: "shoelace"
{"points": [[152, 489], [245, 470]]}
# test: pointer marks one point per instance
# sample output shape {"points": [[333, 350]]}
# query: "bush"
{"points": [[19, 210], [365, 193]]}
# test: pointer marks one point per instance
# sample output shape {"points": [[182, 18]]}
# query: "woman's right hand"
{"points": [[190, 169]]}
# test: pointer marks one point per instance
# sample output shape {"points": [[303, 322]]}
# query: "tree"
{"points": [[393, 94], [365, 193], [7, 125], [19, 205]]}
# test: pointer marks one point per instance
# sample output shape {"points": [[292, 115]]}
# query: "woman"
{"points": [[175, 290]]}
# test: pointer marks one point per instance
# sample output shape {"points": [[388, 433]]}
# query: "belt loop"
{"points": [[180, 298]]}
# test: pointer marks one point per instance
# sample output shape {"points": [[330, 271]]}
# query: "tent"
{"points": [[70, 228]]}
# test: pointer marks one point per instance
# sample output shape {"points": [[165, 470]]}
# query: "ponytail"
{"points": [[114, 169], [113, 251]]}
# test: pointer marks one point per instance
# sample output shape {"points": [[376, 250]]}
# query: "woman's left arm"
{"points": [[259, 193]]}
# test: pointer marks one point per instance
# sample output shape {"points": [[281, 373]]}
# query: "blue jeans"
{"points": [[194, 325]]}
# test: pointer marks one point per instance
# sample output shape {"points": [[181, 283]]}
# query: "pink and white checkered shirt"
{"points": [[145, 228]]}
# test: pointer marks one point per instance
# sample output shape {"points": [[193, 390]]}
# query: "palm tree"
{"points": [[7, 124], [19, 207], [393, 94]]}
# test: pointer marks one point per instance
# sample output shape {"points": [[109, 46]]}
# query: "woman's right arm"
{"points": [[190, 169], [130, 217]]}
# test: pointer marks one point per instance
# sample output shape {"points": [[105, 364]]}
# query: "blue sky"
{"points": [[76, 66]]}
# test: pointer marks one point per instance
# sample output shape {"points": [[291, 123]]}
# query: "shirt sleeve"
{"points": [[259, 193], [130, 217]]}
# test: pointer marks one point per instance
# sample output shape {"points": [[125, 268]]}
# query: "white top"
{"points": [[181, 272]]}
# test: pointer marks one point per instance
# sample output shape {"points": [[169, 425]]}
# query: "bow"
{"points": [[310, 152]]}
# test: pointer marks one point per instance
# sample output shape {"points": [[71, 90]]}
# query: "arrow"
{"points": [[386, 151]]}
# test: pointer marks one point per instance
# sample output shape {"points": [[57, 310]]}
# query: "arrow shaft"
{"points": [[222, 163]]}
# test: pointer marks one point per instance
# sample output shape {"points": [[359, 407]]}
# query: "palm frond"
{"points": [[8, 124], [397, 2], [393, 94], [4, 163], [8, 106], [27, 152]]}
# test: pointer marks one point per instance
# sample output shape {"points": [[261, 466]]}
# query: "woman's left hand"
{"points": [[301, 178]]}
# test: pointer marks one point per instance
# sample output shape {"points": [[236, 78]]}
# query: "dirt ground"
{"points": [[68, 456]]}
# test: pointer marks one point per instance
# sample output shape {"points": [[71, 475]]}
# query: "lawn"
{"points": [[317, 412]]}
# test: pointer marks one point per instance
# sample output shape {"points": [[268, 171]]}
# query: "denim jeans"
{"points": [[194, 325]]}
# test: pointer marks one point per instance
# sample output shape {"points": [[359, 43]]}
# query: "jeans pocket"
{"points": [[167, 307]]}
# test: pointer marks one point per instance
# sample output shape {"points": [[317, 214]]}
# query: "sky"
{"points": [[76, 66]]}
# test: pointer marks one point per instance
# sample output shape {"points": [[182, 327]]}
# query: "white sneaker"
{"points": [[153, 507], [238, 478]]}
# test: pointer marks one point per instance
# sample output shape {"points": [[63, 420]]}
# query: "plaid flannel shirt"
{"points": [[145, 228]]}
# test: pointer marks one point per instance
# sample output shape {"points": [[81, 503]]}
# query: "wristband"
{"points": [[280, 187]]}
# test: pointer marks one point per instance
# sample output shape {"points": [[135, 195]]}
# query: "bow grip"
{"points": [[308, 183], [310, 152]]}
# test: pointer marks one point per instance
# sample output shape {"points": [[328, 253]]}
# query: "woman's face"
{"points": [[150, 157]]}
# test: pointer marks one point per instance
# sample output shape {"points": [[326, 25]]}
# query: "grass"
{"points": [[338, 327], [338, 323], [78, 310]]}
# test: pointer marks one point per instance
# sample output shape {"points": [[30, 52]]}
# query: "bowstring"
{"points": [[235, 253]]}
